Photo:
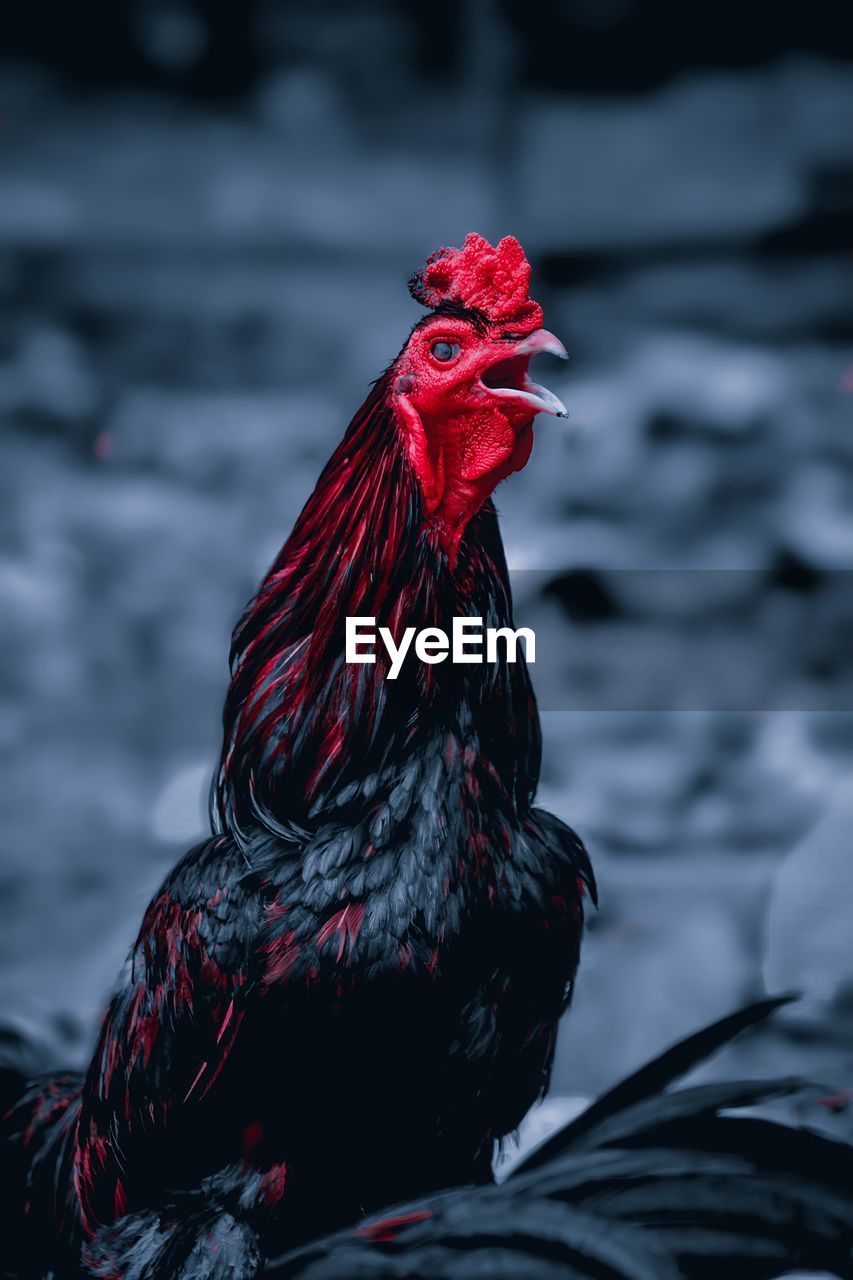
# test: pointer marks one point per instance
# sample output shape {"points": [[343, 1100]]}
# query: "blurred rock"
{"points": [[819, 515], [809, 925], [51, 378], [760, 137], [179, 813]]}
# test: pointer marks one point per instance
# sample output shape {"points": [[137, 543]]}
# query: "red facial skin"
{"points": [[464, 436]]}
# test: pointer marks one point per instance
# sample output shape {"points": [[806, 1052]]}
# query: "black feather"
{"points": [[645, 1183], [658, 1074]]}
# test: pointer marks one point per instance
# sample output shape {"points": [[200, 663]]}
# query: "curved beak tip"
{"points": [[541, 342]]}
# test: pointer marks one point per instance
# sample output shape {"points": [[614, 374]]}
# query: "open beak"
{"points": [[508, 377]]}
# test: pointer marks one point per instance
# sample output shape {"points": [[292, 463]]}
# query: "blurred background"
{"points": [[208, 212]]}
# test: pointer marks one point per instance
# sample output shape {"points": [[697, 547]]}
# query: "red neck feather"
{"points": [[300, 723]]}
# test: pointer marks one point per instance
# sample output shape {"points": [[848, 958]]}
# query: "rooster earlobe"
{"points": [[430, 473]]}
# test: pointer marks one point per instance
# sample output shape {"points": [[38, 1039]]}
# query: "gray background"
{"points": [[206, 223]]}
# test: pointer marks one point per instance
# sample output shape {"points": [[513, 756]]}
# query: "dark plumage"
{"points": [[646, 1184], [350, 993]]}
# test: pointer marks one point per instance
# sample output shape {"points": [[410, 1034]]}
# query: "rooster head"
{"points": [[461, 392]]}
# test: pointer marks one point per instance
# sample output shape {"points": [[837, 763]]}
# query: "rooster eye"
{"points": [[445, 351]]}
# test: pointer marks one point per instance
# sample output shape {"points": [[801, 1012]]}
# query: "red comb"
{"points": [[493, 280]]}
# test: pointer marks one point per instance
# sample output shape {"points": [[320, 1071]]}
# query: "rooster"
{"points": [[351, 992], [349, 995]]}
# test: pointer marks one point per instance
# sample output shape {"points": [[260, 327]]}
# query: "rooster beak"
{"points": [[541, 343], [540, 399]]}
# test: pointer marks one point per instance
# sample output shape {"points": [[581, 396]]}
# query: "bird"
{"points": [[350, 992], [344, 1002]]}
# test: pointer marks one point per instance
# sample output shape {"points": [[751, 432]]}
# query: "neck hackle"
{"points": [[300, 723]]}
